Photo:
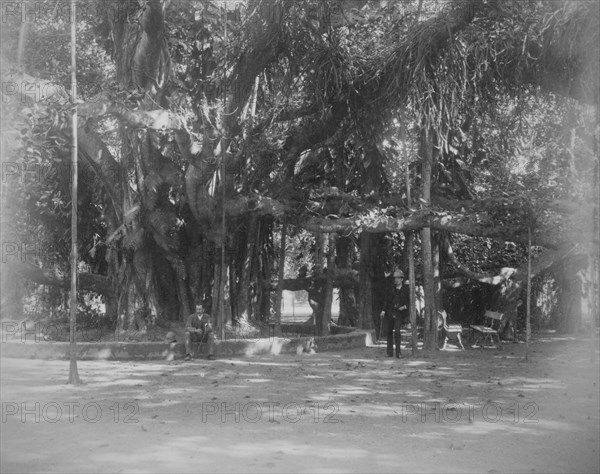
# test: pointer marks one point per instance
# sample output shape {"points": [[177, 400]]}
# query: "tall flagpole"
{"points": [[528, 313], [222, 285], [73, 374]]}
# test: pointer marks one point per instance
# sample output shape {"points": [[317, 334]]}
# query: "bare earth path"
{"points": [[358, 411]]}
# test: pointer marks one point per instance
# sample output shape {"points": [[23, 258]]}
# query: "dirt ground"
{"points": [[482, 410]]}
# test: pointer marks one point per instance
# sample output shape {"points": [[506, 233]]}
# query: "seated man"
{"points": [[199, 329]]}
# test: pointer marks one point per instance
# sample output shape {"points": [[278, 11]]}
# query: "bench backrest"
{"points": [[493, 317], [443, 319]]}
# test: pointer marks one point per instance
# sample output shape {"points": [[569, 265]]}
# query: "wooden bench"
{"points": [[451, 330], [492, 321], [406, 334]]}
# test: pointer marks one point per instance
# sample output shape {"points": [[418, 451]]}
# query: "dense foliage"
{"points": [[308, 112]]}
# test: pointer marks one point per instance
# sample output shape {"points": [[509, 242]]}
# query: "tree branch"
{"points": [[487, 278], [427, 218], [108, 170]]}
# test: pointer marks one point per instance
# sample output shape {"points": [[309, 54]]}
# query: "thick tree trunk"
{"points": [[316, 291], [207, 276], [11, 296], [221, 295], [348, 308], [185, 307], [111, 308], [344, 247], [265, 268], [569, 299], [227, 307], [141, 50], [430, 338], [216, 291], [280, 272], [244, 305], [132, 312], [365, 293]]}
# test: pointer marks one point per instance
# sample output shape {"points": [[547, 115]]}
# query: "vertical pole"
{"points": [[410, 242], [594, 297], [528, 316], [223, 273], [73, 373]]}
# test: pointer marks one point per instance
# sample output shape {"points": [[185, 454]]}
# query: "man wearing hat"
{"points": [[199, 329], [395, 312]]}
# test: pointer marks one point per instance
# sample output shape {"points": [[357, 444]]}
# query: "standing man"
{"points": [[199, 329], [395, 312]]}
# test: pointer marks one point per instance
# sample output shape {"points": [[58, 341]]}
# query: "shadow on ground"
{"points": [[473, 411]]}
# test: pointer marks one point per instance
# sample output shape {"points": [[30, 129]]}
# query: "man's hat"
{"points": [[398, 273]]}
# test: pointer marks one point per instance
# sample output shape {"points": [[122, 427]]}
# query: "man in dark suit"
{"points": [[396, 312], [199, 329]]}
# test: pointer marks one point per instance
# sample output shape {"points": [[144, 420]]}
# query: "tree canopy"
{"points": [[206, 125]]}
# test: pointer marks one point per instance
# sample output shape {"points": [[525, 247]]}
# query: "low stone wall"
{"points": [[160, 350]]}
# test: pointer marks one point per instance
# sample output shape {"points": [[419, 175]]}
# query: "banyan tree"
{"points": [[222, 130]]}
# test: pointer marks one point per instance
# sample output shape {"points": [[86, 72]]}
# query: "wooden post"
{"points": [[73, 373]]}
